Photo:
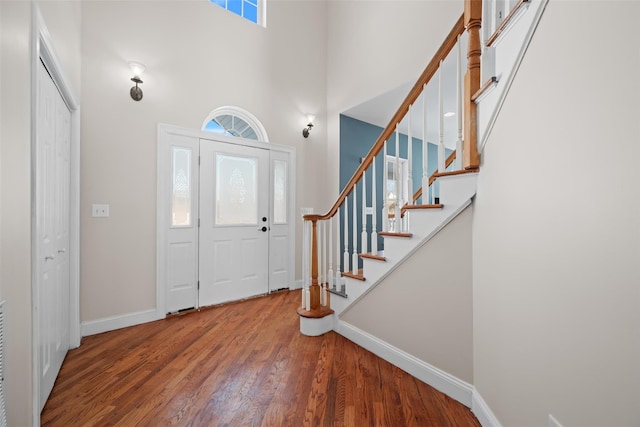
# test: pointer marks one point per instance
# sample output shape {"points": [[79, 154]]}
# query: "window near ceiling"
{"points": [[235, 121], [251, 10]]}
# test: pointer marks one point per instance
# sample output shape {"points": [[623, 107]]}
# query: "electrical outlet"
{"points": [[553, 422], [99, 211]]}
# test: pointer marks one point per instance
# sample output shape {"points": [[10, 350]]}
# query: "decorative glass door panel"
{"points": [[236, 190]]}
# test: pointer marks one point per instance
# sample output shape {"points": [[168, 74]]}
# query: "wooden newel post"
{"points": [[314, 289], [472, 22]]}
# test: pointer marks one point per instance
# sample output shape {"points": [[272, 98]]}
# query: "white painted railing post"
{"points": [[441, 151], [321, 259], [374, 210], [330, 244], [339, 271], [426, 199], [396, 208], [409, 197], [345, 255], [364, 236], [460, 101], [385, 196], [354, 253], [320, 238]]}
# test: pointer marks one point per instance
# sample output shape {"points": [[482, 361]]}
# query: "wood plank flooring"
{"points": [[240, 364]]}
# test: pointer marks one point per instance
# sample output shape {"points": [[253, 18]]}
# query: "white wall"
{"points": [[424, 307], [556, 244], [15, 189], [373, 47], [15, 193], [198, 57]]}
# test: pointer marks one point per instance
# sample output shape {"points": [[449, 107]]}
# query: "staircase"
{"points": [[456, 193], [341, 259]]}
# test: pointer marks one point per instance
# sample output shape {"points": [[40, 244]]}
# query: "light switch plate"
{"points": [[100, 211]]}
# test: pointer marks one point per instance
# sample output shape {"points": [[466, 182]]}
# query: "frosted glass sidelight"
{"points": [[181, 187], [236, 190], [280, 195]]}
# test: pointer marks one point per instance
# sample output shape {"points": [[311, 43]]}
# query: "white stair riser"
{"points": [[457, 188]]}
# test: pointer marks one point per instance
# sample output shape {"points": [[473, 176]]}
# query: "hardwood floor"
{"points": [[221, 367]]}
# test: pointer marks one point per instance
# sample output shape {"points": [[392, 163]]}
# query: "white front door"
{"points": [[234, 223], [52, 231]]}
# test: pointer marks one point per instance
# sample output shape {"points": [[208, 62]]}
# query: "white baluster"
{"points": [[426, 200], [336, 283], [324, 251], [409, 198], [364, 237], [459, 91], [441, 152], [354, 254], [397, 224], [322, 258], [345, 256], [385, 196], [330, 271], [374, 213]]}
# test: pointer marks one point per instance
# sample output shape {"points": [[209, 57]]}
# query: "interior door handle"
{"points": [[263, 229], [61, 251], [48, 257]]}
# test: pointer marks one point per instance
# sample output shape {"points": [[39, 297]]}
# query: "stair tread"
{"points": [[318, 313], [453, 173], [358, 276], [405, 208], [431, 206], [372, 256], [394, 234]]}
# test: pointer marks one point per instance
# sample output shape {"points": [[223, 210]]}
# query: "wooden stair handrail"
{"points": [[431, 69]]}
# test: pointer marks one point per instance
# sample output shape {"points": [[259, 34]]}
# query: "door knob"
{"points": [[264, 229], [264, 219]]}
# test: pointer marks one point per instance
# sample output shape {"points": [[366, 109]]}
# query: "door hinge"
{"points": [[198, 222], [198, 284], [198, 160]]}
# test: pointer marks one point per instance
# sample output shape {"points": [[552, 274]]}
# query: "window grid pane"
{"points": [[248, 9]]}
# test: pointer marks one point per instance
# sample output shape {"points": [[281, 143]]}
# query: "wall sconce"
{"points": [[306, 130], [137, 69]]}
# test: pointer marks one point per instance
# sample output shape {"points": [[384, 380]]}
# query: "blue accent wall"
{"points": [[356, 139]]}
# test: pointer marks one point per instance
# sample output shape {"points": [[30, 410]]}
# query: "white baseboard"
{"points": [[436, 378], [116, 322], [482, 411]]}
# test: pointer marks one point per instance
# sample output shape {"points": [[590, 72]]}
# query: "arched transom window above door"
{"points": [[235, 121]]}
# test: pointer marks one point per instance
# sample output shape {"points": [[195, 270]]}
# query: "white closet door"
{"points": [[52, 231]]}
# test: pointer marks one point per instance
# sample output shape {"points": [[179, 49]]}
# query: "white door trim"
{"points": [[43, 49], [163, 131]]}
